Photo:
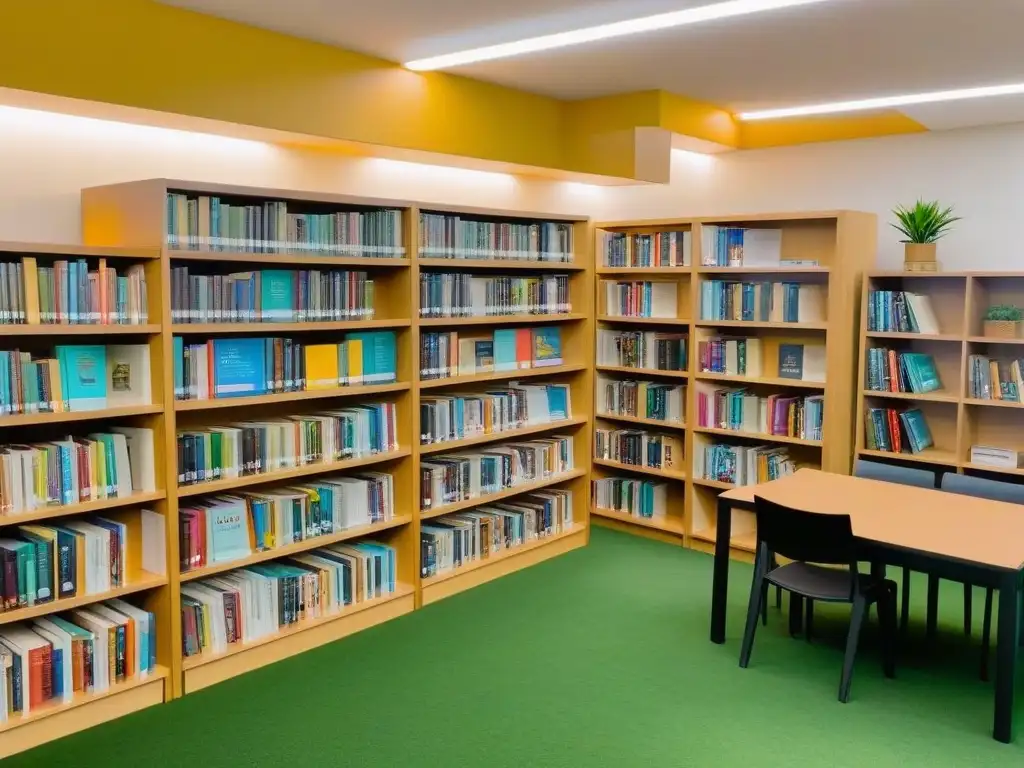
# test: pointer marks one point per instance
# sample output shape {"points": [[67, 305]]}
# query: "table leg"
{"points": [[720, 583], [1006, 656], [933, 606]]}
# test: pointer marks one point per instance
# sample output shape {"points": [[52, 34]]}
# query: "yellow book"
{"points": [[355, 361], [31, 288], [99, 455], [321, 366]]}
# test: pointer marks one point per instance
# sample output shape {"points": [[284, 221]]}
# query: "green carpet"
{"points": [[596, 658]]}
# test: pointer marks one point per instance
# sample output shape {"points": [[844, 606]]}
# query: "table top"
{"points": [[947, 524]]}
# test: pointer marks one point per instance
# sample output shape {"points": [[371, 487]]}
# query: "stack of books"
{"points": [[638, 448], [626, 495], [659, 249], [901, 312], [448, 479], [231, 528], [451, 541], [271, 296], [741, 247], [891, 370], [742, 411], [640, 298], [256, 602], [446, 355], [461, 294], [452, 236], [444, 419], [648, 350], [643, 399], [994, 380], [258, 447], [762, 302], [741, 464], [888, 429], [733, 357], [208, 223]]}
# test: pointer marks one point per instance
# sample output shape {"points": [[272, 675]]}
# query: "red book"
{"points": [[524, 344]]}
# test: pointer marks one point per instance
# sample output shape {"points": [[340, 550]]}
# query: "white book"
{"points": [[920, 307], [154, 542], [141, 458], [100, 627], [128, 375], [762, 247], [663, 299], [814, 362], [811, 303]]}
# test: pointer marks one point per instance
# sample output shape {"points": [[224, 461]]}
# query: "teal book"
{"points": [[228, 531], [547, 346], [44, 565], [558, 401], [923, 375], [239, 367], [505, 350], [791, 361], [83, 373], [179, 368], [918, 434], [385, 364], [277, 299]]}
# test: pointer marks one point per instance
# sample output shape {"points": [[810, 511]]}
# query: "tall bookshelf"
{"points": [[836, 247], [956, 419]]}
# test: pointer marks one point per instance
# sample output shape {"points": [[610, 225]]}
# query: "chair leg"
{"points": [[905, 607], [986, 633], [757, 594], [856, 621], [796, 609], [808, 618], [888, 612], [968, 599], [778, 598]]}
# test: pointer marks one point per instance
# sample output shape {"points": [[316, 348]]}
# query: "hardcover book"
{"points": [[547, 346], [83, 371], [239, 367], [791, 361]]}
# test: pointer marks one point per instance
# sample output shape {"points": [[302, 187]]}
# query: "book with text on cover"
{"points": [[547, 346], [83, 370]]}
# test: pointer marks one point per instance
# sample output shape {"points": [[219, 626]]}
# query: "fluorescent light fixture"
{"points": [[605, 31], [885, 102]]}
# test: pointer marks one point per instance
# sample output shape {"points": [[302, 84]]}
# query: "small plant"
{"points": [[1007, 313], [924, 222]]}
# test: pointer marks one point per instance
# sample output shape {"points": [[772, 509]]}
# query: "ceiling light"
{"points": [[605, 31], [885, 102]]}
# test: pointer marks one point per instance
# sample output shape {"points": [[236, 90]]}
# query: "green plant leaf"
{"points": [[925, 222]]}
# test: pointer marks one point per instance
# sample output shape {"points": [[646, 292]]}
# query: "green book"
{"points": [[277, 295]]}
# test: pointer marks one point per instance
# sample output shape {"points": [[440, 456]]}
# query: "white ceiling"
{"points": [[836, 50]]}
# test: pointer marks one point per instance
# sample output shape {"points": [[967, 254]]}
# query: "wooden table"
{"points": [[961, 538]]}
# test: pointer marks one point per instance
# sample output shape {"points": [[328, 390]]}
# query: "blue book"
{"points": [[277, 295], [558, 401], [505, 350], [547, 346], [239, 367], [83, 373]]}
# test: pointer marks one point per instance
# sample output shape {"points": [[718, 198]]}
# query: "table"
{"points": [[961, 538]]}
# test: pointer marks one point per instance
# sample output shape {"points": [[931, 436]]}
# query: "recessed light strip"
{"points": [[605, 31], [885, 102]]}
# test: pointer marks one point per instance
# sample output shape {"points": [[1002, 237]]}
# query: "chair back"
{"points": [[809, 537], [993, 490], [893, 473]]}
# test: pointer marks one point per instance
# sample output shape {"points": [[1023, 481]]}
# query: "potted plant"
{"points": [[1003, 321], [921, 226]]}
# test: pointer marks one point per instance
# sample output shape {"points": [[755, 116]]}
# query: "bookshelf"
{"points": [[833, 249], [956, 418]]}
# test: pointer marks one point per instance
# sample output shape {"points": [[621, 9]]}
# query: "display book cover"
{"points": [[239, 367], [228, 531], [83, 372]]}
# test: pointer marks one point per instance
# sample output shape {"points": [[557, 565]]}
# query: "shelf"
{"points": [[144, 582], [82, 508], [668, 474], [491, 498], [25, 419], [642, 371], [553, 370], [775, 382], [643, 320], [927, 456], [185, 329], [744, 541], [930, 397], [207, 669], [820, 326], [993, 340], [670, 271], [661, 423], [722, 486], [293, 549], [914, 336], [499, 264], [993, 403], [758, 436], [1019, 471], [763, 270], [47, 329], [287, 258], [501, 564], [79, 251], [665, 524], [430, 322], [290, 473], [286, 397], [509, 434]]}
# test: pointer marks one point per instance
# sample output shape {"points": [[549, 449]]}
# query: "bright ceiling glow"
{"points": [[605, 31], [885, 102]]}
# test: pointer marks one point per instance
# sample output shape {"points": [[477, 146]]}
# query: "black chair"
{"points": [[812, 541]]}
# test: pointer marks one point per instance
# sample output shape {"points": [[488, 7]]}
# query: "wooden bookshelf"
{"points": [[843, 244]]}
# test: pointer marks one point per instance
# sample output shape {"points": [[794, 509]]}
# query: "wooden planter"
{"points": [[1002, 329], [920, 257]]}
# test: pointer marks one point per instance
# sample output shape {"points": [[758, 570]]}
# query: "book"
{"points": [[731, 356], [642, 399], [891, 370], [72, 293], [805, 362], [895, 431], [651, 350], [83, 371], [238, 368], [450, 354], [742, 464], [1003, 458], [455, 236], [505, 350], [640, 448], [901, 312], [640, 298], [463, 294], [129, 375], [742, 411], [740, 247], [658, 249], [456, 417], [546, 347], [625, 495], [989, 379]]}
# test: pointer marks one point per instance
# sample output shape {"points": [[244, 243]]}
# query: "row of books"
{"points": [[743, 357], [446, 355], [447, 418], [208, 223], [742, 464], [451, 541], [449, 479], [639, 448], [248, 604], [641, 399], [84, 651], [741, 247], [72, 294], [782, 302], [890, 370], [271, 296], [659, 249], [649, 350], [901, 312], [640, 298], [461, 294], [247, 367], [100, 465], [74, 377], [638, 498], [743, 411], [261, 447], [990, 379], [452, 236], [229, 528], [889, 429]]}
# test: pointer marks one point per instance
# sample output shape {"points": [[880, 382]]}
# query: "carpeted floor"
{"points": [[597, 658]]}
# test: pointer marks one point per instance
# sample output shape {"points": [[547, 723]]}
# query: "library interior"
{"points": [[407, 383]]}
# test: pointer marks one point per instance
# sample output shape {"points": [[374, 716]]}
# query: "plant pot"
{"points": [[1002, 329], [920, 257]]}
